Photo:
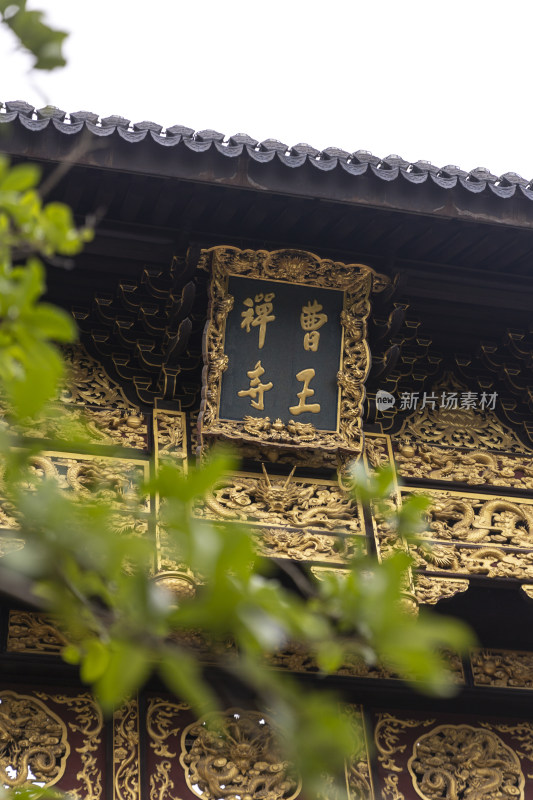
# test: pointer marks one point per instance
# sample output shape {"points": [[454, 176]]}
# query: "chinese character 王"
{"points": [[305, 376]]}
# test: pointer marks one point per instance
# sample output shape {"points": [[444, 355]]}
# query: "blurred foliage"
{"points": [[99, 583], [34, 35], [30, 366]]}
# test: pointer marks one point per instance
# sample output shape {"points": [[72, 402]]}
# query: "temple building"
{"points": [[310, 308]]}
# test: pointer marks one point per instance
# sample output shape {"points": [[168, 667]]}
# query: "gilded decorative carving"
{"points": [[126, 753], [111, 479], [429, 591], [9, 544], [474, 467], [509, 668], [356, 281], [306, 546], [109, 426], [386, 535], [180, 583], [358, 777], [29, 632], [297, 503], [88, 723], [240, 757], [377, 451], [475, 519], [458, 427], [161, 719], [88, 384], [34, 742], [169, 435], [387, 738], [298, 658], [91, 405], [454, 761], [491, 562], [113, 426], [483, 760]]}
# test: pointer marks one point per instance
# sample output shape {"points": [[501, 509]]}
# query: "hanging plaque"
{"points": [[285, 351]]}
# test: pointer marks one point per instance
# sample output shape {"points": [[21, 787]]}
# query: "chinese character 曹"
{"points": [[311, 320], [258, 314], [257, 389]]}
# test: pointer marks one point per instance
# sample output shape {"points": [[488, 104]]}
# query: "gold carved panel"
{"points": [[358, 773], [126, 752], [502, 668], [297, 658], [465, 760], [242, 758], [490, 562], [112, 479], [170, 437], [91, 407], [163, 726], [35, 745], [299, 518], [444, 757], [470, 534], [307, 545], [478, 519], [30, 632], [472, 467], [378, 451], [449, 424], [428, 590], [271, 438], [83, 778]]}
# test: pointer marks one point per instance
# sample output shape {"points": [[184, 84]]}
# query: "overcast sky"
{"points": [[449, 82]]}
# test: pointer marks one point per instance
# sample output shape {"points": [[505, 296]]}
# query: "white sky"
{"points": [[448, 81]]}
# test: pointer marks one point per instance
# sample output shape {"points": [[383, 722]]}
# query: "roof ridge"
{"points": [[359, 162]]}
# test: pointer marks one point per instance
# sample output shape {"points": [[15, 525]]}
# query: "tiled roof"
{"points": [[391, 168]]}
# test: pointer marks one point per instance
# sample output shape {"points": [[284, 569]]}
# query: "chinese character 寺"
{"points": [[258, 314], [305, 376], [311, 320], [257, 389]]}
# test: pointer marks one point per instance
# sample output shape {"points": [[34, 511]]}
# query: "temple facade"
{"points": [[311, 309]]}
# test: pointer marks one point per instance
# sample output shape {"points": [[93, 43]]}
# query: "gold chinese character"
{"points": [[311, 320], [305, 375], [311, 341], [258, 314], [257, 389]]}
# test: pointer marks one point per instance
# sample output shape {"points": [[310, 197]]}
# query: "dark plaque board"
{"points": [[283, 343]]}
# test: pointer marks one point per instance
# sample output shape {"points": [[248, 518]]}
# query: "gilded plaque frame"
{"points": [[260, 434]]}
